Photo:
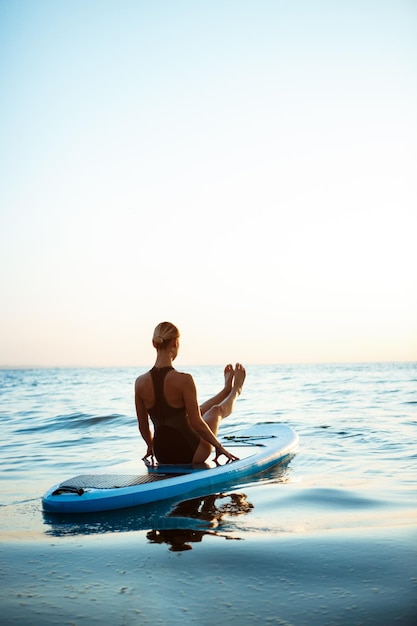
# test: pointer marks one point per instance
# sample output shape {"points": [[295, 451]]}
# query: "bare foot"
{"points": [[240, 375], [228, 376]]}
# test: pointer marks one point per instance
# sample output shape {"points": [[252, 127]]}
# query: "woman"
{"points": [[183, 432]]}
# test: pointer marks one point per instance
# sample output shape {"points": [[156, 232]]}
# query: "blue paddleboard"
{"points": [[259, 448]]}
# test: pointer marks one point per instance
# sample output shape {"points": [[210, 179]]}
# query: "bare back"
{"points": [[173, 389]]}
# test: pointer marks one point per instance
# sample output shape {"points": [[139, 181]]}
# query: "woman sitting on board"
{"points": [[184, 433]]}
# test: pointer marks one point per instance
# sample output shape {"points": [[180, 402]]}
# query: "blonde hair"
{"points": [[163, 334]]}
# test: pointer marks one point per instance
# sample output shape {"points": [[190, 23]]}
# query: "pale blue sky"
{"points": [[245, 169]]}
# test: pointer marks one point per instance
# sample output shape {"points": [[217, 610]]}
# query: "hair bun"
{"points": [[164, 333]]}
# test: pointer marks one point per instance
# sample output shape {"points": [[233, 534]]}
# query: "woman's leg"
{"points": [[222, 395], [218, 412]]}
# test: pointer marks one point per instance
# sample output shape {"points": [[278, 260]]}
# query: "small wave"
{"points": [[72, 421], [324, 497]]}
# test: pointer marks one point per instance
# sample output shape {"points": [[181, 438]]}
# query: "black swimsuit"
{"points": [[175, 442]]}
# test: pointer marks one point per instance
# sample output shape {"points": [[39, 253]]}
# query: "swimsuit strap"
{"points": [[161, 410]]}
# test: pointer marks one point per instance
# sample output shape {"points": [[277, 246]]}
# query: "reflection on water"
{"points": [[212, 509], [190, 519], [206, 508]]}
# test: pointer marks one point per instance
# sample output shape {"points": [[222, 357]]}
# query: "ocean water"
{"points": [[340, 515]]}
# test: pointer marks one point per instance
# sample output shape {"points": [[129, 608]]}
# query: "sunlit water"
{"points": [[356, 464], [327, 539]]}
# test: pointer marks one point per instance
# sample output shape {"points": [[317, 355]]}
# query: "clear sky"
{"points": [[246, 169]]}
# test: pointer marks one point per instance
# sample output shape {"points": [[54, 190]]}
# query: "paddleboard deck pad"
{"points": [[259, 448]]}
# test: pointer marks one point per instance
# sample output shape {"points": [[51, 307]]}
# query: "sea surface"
{"points": [[327, 538]]}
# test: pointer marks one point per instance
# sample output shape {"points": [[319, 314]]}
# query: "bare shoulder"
{"points": [[142, 381], [182, 379]]}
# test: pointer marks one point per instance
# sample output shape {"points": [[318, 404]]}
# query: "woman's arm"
{"points": [[144, 427]]}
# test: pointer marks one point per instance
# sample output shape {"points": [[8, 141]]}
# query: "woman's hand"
{"points": [[149, 458], [230, 457]]}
